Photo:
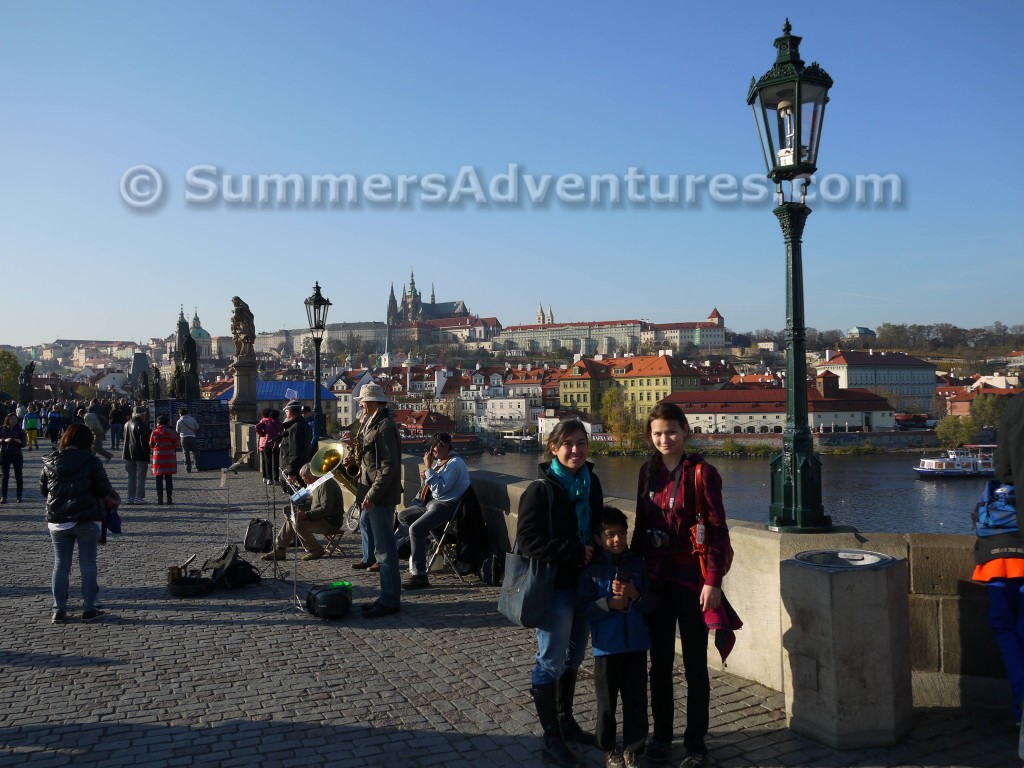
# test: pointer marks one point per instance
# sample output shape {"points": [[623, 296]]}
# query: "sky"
{"points": [[431, 108]]}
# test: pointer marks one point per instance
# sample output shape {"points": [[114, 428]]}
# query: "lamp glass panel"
{"points": [[812, 113]]}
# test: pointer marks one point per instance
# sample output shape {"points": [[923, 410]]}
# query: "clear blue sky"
{"points": [[922, 89]]}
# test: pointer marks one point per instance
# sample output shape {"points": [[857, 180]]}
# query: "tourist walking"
{"points": [[554, 527], [12, 441], [74, 483], [666, 512], [136, 455], [54, 425], [31, 423], [98, 423], [119, 414], [379, 491], [188, 429], [164, 445]]}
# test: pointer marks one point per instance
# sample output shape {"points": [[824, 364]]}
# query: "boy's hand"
{"points": [[625, 589], [618, 603]]}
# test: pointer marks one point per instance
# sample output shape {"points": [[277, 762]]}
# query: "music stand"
{"points": [[295, 569]]}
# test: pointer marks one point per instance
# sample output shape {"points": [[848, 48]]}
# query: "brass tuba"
{"points": [[330, 458]]}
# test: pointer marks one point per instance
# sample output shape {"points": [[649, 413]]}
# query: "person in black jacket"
{"points": [[136, 454], [295, 442], [560, 532], [74, 483]]}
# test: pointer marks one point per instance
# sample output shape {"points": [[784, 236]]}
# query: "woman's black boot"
{"points": [[571, 730], [556, 751]]}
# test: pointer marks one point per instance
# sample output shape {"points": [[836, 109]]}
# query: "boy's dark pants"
{"points": [[625, 674]]}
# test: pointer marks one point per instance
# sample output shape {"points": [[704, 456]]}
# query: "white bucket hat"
{"points": [[372, 393]]}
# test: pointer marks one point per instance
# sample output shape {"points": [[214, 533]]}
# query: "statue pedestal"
{"points": [[242, 405]]}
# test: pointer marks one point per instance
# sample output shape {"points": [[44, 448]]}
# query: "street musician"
{"points": [[445, 479]]}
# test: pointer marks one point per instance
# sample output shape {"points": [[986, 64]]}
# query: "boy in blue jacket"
{"points": [[613, 594]]}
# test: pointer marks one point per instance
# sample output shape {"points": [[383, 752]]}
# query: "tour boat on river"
{"points": [[969, 461]]}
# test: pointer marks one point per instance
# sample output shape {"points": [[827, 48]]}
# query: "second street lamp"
{"points": [[789, 109], [316, 312]]}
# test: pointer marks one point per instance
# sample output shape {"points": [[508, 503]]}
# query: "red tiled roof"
{"points": [[774, 401]]}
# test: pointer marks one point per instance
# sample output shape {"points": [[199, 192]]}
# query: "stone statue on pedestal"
{"points": [[156, 382], [25, 383], [243, 329], [184, 383], [242, 405]]}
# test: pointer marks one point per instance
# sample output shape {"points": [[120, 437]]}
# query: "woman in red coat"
{"points": [[164, 444]]}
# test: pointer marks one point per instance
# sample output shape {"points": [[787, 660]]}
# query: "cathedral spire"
{"points": [[432, 300], [551, 316], [540, 313]]}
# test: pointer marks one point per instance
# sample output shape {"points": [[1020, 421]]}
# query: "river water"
{"points": [[878, 493]]}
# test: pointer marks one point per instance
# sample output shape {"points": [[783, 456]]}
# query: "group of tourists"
{"points": [[627, 600], [74, 481]]}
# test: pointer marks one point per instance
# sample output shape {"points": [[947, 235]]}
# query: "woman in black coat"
{"points": [[559, 531], [74, 483]]}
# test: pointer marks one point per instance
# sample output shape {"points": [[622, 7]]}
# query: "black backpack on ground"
{"points": [[230, 570], [328, 602], [492, 571], [259, 536]]}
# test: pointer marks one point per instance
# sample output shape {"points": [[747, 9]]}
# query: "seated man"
{"points": [[325, 515], [445, 478]]}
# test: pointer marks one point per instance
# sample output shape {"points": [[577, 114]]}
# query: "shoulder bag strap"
{"points": [[698, 533]]}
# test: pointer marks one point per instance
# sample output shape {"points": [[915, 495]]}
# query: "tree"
{"points": [[620, 420], [307, 346], [9, 370], [86, 391], [954, 431], [987, 410]]}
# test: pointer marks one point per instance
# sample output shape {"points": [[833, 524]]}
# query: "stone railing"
{"points": [[954, 658]]}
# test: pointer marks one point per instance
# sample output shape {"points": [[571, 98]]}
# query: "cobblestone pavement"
{"points": [[244, 678]]}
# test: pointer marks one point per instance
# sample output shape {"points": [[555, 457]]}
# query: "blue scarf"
{"points": [[578, 488]]}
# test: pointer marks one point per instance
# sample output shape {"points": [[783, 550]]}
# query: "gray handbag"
{"points": [[529, 585]]}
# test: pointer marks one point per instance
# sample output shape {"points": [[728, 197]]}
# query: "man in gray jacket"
{"points": [[380, 485]]}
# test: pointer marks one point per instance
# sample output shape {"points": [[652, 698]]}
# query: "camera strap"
{"points": [[675, 488]]}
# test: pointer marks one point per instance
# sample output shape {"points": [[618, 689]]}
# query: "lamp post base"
{"points": [[796, 490]]}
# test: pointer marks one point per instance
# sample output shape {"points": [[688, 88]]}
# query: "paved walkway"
{"points": [[244, 678]]}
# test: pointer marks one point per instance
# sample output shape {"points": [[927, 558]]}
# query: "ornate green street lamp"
{"points": [[789, 109], [316, 312]]}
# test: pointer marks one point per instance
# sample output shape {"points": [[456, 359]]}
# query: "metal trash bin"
{"points": [[846, 647]]}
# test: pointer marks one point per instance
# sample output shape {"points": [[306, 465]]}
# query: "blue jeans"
{"points": [[381, 522], [1006, 615], [366, 537], [87, 535], [562, 641]]}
